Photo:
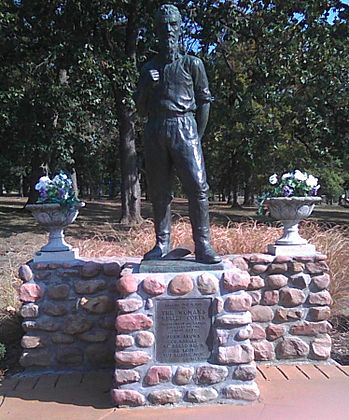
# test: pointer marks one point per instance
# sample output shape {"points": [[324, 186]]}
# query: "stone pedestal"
{"points": [[56, 256], [184, 338], [292, 250]]}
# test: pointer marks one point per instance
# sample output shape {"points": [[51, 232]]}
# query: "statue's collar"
{"points": [[168, 58]]}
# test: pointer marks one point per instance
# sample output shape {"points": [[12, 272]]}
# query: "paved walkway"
{"points": [[309, 392]]}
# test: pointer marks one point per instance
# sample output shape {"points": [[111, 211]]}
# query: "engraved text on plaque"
{"points": [[182, 330]]}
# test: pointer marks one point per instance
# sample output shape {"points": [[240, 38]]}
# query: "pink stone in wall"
{"points": [[238, 302], [270, 297], [240, 263], [131, 358], [201, 395], [259, 268], [154, 285], [165, 396], [124, 340], [30, 292], [310, 328], [300, 280], [111, 269], [263, 350], [320, 257], [277, 268], [126, 397], [256, 296], [90, 269], [183, 375], [235, 279], [258, 332], [235, 354], [25, 273], [319, 314], [208, 284], [317, 267], [274, 331], [322, 298], [132, 322], [217, 305], [282, 314], [126, 376], [322, 281], [243, 333], [296, 266], [157, 375], [127, 284], [282, 259], [181, 285], [261, 313], [291, 348], [261, 258], [256, 282], [276, 281], [248, 392], [210, 374], [291, 297], [145, 339], [129, 305], [321, 347]]}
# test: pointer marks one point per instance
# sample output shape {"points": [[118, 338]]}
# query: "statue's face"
{"points": [[168, 30]]}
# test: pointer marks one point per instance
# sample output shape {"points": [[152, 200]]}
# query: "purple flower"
{"points": [[314, 190], [43, 194], [61, 193], [287, 191]]}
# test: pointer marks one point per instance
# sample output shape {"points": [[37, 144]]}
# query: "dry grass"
{"points": [[235, 238]]}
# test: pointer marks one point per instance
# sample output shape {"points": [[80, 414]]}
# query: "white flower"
{"points": [[273, 179], [287, 175], [311, 181], [57, 180], [300, 176], [43, 183]]}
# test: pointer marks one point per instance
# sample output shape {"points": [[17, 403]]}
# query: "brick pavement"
{"points": [[316, 392]]}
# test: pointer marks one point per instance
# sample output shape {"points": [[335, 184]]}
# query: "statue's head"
{"points": [[168, 25]]}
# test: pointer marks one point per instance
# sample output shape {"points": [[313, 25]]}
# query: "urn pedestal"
{"points": [[290, 211], [55, 218]]}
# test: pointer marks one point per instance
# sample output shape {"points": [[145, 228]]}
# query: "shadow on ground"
{"points": [[81, 389]]}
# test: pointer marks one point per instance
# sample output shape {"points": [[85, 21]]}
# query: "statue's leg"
{"points": [[188, 159], [159, 173]]}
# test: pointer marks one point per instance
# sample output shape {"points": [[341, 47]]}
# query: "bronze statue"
{"points": [[173, 93]]}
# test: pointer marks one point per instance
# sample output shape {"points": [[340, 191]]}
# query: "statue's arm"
{"points": [[202, 113], [142, 93], [203, 97]]}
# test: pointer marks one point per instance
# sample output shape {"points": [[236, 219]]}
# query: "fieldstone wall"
{"points": [[68, 314], [290, 307], [229, 372]]}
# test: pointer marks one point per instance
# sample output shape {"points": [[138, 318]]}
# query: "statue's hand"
{"points": [[154, 76]]}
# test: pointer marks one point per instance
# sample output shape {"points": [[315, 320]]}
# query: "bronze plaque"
{"points": [[182, 330]]}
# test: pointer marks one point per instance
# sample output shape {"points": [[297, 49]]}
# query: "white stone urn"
{"points": [[55, 218], [290, 211]]}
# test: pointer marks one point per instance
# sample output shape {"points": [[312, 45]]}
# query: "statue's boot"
{"points": [[199, 219], [162, 222]]}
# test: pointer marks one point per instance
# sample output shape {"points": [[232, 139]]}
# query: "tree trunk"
{"points": [[74, 179], [130, 186], [37, 171]]}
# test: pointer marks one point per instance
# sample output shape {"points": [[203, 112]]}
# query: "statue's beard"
{"points": [[169, 46]]}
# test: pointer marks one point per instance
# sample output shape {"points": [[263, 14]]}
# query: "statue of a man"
{"points": [[173, 93]]}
